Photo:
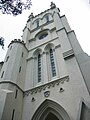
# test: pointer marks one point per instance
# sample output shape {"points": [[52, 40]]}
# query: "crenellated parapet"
{"points": [[17, 41], [52, 6]]}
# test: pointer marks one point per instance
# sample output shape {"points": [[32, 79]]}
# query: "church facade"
{"points": [[46, 75]]}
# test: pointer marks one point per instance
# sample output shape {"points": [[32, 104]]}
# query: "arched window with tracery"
{"points": [[37, 23], [37, 76], [51, 61], [47, 18], [53, 69], [39, 68]]}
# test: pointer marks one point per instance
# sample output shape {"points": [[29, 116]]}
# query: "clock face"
{"points": [[43, 36]]}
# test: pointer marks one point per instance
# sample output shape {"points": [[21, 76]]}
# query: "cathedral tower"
{"points": [[45, 76]]}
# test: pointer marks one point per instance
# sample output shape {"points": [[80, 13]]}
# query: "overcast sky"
{"points": [[76, 11]]}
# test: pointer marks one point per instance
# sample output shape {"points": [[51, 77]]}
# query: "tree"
{"points": [[14, 7], [2, 42]]}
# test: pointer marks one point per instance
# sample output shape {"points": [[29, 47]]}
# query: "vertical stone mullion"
{"points": [[45, 69], [49, 66], [35, 71]]}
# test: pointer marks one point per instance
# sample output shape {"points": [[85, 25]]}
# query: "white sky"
{"points": [[76, 11]]}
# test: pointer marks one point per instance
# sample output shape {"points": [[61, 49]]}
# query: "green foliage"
{"points": [[14, 7]]}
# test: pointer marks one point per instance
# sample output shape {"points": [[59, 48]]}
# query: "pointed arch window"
{"points": [[52, 63], [37, 22], [47, 18], [39, 68]]}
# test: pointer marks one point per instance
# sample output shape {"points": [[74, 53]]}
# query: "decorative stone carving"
{"points": [[30, 17], [52, 5], [48, 85], [46, 93]]}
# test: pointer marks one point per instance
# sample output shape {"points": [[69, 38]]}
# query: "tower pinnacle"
{"points": [[52, 5], [31, 16]]}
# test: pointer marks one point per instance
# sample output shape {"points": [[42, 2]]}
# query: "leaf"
{"points": [[14, 7]]}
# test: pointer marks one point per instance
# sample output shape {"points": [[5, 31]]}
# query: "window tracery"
{"points": [[43, 36], [39, 68], [52, 63], [37, 23], [47, 18]]}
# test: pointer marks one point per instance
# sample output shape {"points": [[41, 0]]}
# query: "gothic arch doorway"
{"points": [[51, 116], [50, 110]]}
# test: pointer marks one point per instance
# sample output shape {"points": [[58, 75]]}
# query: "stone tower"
{"points": [[45, 76]]}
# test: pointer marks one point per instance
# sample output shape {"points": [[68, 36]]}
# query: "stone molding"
{"points": [[68, 53], [44, 52], [34, 29], [47, 85], [43, 44], [46, 107], [57, 46], [46, 11], [11, 82]]}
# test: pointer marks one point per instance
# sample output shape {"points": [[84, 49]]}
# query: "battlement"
{"points": [[17, 41]]}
